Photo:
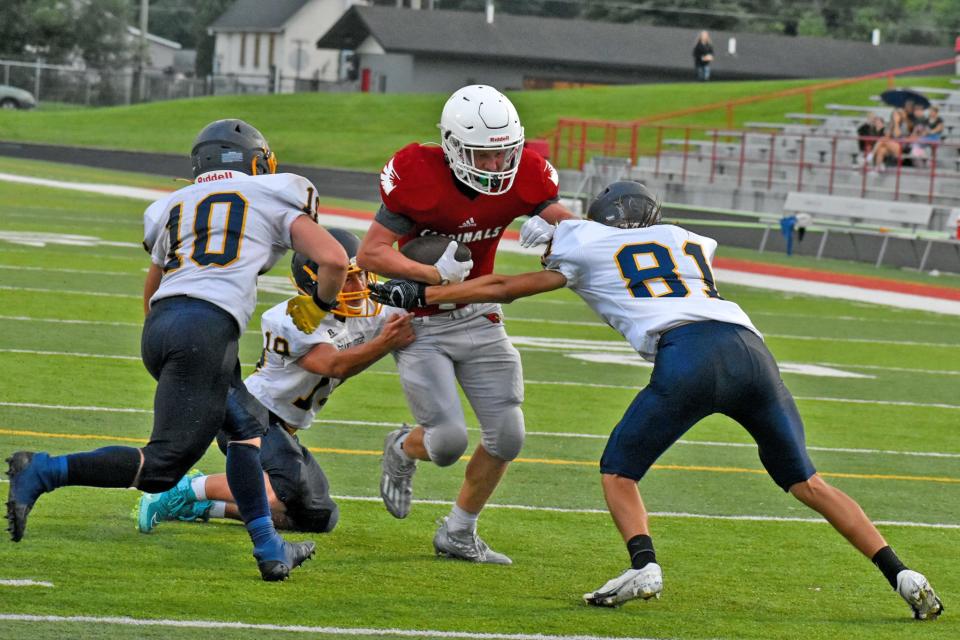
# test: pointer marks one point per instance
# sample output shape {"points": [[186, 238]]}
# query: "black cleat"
{"points": [[17, 510], [296, 553]]}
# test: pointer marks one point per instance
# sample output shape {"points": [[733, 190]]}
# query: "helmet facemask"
{"points": [[351, 304], [462, 158], [357, 303]]}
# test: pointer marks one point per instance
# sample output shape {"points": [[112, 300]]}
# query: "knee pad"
{"points": [[445, 444], [503, 436]]}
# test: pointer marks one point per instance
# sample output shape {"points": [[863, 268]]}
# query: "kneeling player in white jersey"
{"points": [[296, 374], [654, 284]]}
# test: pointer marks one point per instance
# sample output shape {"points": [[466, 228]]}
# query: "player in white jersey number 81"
{"points": [[654, 284]]}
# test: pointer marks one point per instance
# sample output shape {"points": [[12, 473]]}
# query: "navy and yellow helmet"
{"points": [[625, 204], [354, 301], [232, 145]]}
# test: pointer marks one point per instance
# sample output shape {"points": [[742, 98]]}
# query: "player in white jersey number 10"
{"points": [[296, 375], [654, 284], [208, 241]]}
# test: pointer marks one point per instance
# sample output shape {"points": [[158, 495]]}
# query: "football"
{"points": [[428, 249]]}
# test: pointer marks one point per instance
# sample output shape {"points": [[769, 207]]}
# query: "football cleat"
{"points": [[153, 508], [396, 475], [914, 588], [642, 583], [294, 555], [25, 487], [465, 545]]}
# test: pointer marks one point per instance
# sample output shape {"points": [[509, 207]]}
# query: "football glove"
{"points": [[305, 313], [405, 294], [536, 231], [452, 270]]}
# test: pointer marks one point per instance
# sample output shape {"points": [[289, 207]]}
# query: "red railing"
{"points": [[769, 156]]}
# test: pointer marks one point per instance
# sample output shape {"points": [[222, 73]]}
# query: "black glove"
{"points": [[405, 294]]}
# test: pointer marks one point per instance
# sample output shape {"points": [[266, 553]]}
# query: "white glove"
{"points": [[452, 270], [536, 231]]}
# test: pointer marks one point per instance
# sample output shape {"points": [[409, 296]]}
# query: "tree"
{"points": [[94, 30]]}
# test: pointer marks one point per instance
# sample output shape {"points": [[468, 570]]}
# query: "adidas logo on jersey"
{"points": [[469, 222]]}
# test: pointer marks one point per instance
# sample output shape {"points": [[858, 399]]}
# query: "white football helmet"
{"points": [[480, 120]]}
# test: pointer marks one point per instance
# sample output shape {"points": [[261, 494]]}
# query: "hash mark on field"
{"points": [[347, 631], [25, 583]]}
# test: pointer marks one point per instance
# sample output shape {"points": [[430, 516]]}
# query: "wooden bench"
{"points": [[852, 211]]}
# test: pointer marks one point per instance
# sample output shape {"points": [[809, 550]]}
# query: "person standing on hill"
{"points": [[703, 56]]}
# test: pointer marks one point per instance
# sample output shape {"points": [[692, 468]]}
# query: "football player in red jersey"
{"points": [[469, 188]]}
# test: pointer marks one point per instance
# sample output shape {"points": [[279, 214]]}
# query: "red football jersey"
{"points": [[418, 184]]}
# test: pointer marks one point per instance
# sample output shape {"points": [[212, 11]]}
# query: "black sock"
{"points": [[106, 467], [245, 477], [640, 548], [889, 565]]}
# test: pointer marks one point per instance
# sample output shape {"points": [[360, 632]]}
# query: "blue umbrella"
{"points": [[899, 97]]}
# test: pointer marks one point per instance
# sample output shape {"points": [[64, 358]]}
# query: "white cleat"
{"points": [[914, 588], [396, 475], [643, 583]]}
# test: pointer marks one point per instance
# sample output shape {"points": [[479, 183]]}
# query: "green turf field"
{"points": [[735, 564], [361, 131]]}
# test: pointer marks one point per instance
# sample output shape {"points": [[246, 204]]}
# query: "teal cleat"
{"points": [[153, 508], [194, 511]]}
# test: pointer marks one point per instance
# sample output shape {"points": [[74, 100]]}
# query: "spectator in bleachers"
{"points": [[868, 134], [889, 148], [703, 56], [928, 135]]}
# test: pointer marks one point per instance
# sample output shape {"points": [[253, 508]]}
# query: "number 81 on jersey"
{"points": [[664, 270]]}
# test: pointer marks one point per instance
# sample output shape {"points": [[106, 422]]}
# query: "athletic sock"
{"points": [[245, 477], [199, 488], [889, 564], [398, 447], [105, 467], [217, 510], [640, 548], [460, 520]]}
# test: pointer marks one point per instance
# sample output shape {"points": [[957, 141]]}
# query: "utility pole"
{"points": [[144, 20], [300, 61]]}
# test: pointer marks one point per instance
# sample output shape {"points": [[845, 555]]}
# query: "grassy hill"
{"points": [[360, 131]]}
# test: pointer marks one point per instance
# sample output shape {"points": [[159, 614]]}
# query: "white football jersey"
{"points": [[642, 282], [221, 232], [282, 385]]}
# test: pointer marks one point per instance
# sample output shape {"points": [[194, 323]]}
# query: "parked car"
{"points": [[14, 98]]}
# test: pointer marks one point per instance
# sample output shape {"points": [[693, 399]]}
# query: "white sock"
{"points": [[460, 520], [217, 510], [398, 447], [199, 487]]}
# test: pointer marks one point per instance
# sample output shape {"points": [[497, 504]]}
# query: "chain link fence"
{"points": [[50, 83]]}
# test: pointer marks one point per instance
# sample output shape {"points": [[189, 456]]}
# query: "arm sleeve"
{"points": [[543, 205], [395, 222]]}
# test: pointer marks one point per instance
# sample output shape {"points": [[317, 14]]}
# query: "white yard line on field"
{"points": [[546, 434], [666, 514], [335, 631], [138, 274]]}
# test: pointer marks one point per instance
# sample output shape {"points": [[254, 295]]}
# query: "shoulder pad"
{"points": [[537, 180], [412, 179]]}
